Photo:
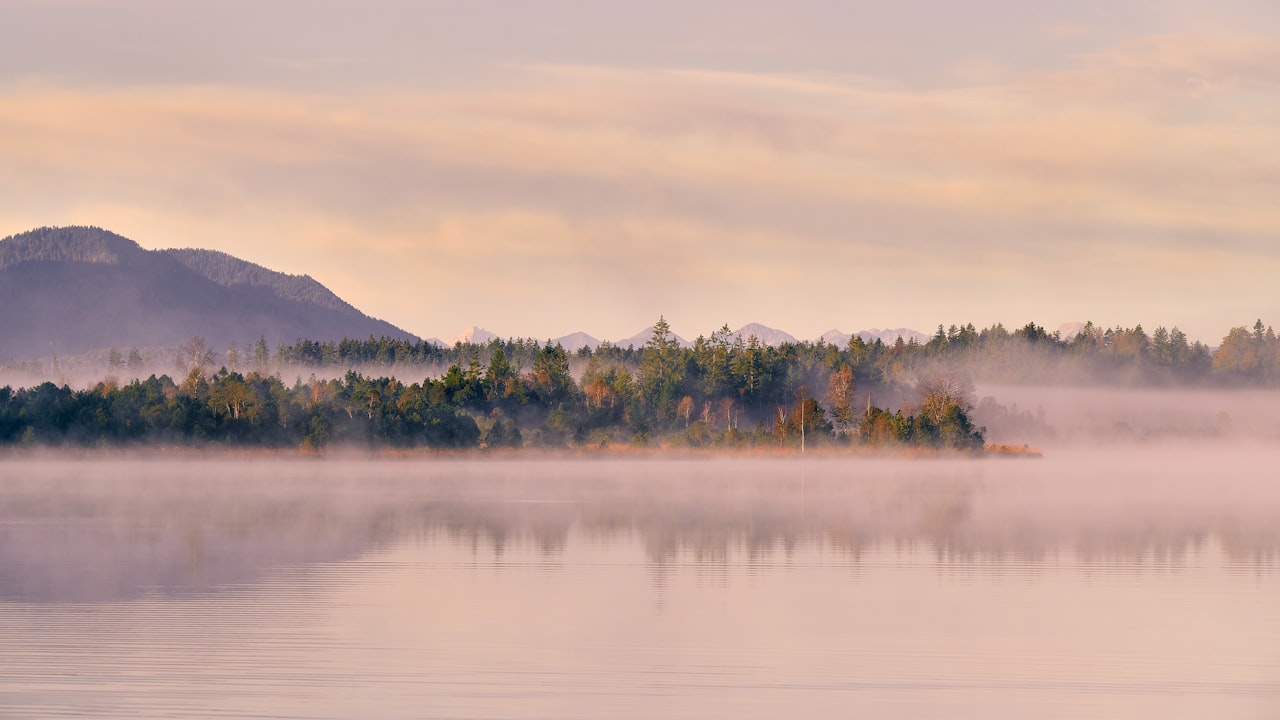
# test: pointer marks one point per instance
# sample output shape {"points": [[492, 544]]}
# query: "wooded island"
{"points": [[723, 391]]}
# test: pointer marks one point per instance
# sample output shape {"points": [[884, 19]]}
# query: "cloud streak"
{"points": [[564, 197]]}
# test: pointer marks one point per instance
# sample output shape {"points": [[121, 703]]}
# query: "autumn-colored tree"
{"points": [[195, 386], [881, 427], [805, 422], [1240, 356], [940, 391], [685, 409], [840, 388], [230, 395], [596, 389]]}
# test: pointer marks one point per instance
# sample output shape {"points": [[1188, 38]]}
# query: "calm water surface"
{"points": [[1128, 584]]}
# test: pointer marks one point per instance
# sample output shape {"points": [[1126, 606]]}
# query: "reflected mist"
{"points": [[1114, 583], [79, 531]]}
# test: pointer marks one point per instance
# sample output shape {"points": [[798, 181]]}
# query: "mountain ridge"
{"points": [[888, 336], [575, 341], [230, 271], [641, 338], [764, 334], [82, 288], [86, 244]]}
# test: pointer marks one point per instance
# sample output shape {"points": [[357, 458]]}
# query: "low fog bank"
{"points": [[105, 527], [1061, 416], [105, 530]]}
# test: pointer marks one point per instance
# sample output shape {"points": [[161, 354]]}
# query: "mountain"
{"points": [[1067, 331], [75, 289], [890, 336], [773, 337], [766, 335], [475, 335], [887, 336], [230, 271], [639, 339], [835, 337], [574, 342]]}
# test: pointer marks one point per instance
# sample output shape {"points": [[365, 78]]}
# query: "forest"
{"points": [[1029, 354], [723, 391]]}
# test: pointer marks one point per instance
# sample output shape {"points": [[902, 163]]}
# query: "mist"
{"points": [[70, 529], [1057, 416]]}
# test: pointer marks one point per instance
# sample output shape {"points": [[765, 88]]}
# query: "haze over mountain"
{"points": [[475, 335], [639, 339], [1069, 330], [78, 289], [573, 342], [888, 336], [75, 289], [774, 337], [766, 335]]}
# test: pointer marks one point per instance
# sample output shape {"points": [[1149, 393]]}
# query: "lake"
{"points": [[1125, 582]]}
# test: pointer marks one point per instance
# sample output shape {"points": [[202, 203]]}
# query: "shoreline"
{"points": [[611, 452]]}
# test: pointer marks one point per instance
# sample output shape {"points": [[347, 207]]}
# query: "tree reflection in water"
{"points": [[78, 531]]}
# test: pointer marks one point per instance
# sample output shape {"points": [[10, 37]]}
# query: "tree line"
{"points": [[723, 390], [1030, 354]]}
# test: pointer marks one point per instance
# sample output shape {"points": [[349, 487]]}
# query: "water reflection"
{"points": [[78, 531]]}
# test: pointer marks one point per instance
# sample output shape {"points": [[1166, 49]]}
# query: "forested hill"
{"points": [[231, 271], [70, 244], [77, 289]]}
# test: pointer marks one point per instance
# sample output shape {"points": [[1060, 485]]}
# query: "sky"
{"points": [[543, 168]]}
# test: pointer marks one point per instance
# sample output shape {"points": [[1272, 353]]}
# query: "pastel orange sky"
{"points": [[541, 168]]}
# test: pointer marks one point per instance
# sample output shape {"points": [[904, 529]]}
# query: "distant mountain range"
{"points": [[774, 337], [888, 336], [766, 335], [80, 289], [76, 289], [574, 342]]}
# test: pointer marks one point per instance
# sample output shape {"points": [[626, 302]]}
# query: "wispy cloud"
{"points": [[693, 191]]}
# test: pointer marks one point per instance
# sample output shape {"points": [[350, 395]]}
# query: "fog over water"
{"points": [[1115, 581], [72, 529], [1128, 416]]}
